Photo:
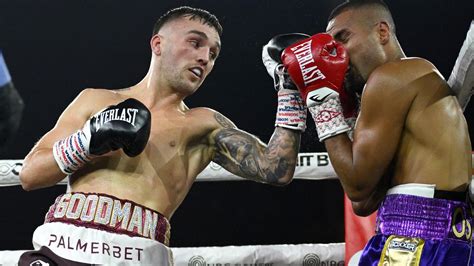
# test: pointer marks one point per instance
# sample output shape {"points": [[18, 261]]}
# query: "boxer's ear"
{"points": [[155, 44], [383, 30]]}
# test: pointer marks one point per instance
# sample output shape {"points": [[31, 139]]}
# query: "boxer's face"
{"points": [[188, 51], [361, 44]]}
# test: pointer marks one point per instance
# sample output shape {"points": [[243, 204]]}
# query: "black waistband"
{"points": [[451, 195]]}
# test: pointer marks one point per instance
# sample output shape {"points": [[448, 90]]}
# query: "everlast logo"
{"points": [[125, 114], [309, 71]]}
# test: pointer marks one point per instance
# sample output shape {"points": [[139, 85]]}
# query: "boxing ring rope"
{"points": [[252, 255], [311, 166]]}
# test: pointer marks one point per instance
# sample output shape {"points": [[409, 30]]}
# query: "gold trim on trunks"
{"points": [[400, 250]]}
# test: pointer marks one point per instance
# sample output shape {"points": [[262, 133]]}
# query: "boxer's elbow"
{"points": [[284, 181], [357, 188], [362, 212], [361, 209], [26, 179], [29, 177], [359, 212], [30, 180], [35, 173], [27, 186], [281, 180], [356, 193]]}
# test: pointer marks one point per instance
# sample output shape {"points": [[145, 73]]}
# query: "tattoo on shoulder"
{"points": [[223, 121]]}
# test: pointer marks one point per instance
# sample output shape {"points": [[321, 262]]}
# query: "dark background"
{"points": [[56, 48]]}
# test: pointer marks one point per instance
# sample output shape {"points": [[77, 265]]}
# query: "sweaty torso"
{"points": [[161, 176], [434, 146]]}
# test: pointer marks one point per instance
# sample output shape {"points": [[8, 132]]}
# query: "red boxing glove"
{"points": [[317, 65]]}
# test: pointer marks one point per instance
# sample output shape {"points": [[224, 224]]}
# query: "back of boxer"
{"points": [[132, 162], [410, 155]]}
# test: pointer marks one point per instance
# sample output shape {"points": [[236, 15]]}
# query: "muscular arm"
{"points": [[367, 206], [245, 155], [361, 164], [39, 167]]}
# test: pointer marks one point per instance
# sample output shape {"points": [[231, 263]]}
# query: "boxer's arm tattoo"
{"points": [[245, 155], [223, 121]]}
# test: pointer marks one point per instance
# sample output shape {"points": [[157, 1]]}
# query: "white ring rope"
{"points": [[315, 165], [461, 79], [253, 255], [312, 166]]}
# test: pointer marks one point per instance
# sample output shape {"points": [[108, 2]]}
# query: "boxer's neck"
{"points": [[154, 94]]}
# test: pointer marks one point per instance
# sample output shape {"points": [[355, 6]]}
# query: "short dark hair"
{"points": [[192, 13], [355, 4]]}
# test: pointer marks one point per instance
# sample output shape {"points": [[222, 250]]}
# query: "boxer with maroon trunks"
{"points": [[133, 154]]}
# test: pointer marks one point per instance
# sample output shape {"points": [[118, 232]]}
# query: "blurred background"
{"points": [[54, 49]]}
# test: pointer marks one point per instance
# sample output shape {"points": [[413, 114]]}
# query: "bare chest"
{"points": [[171, 146]]}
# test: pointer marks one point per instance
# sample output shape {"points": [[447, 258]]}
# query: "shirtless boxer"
{"points": [[410, 156], [121, 197], [11, 106]]}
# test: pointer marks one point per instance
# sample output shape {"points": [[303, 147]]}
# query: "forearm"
{"points": [[364, 208], [281, 155], [340, 152], [246, 156], [367, 206], [40, 170]]}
